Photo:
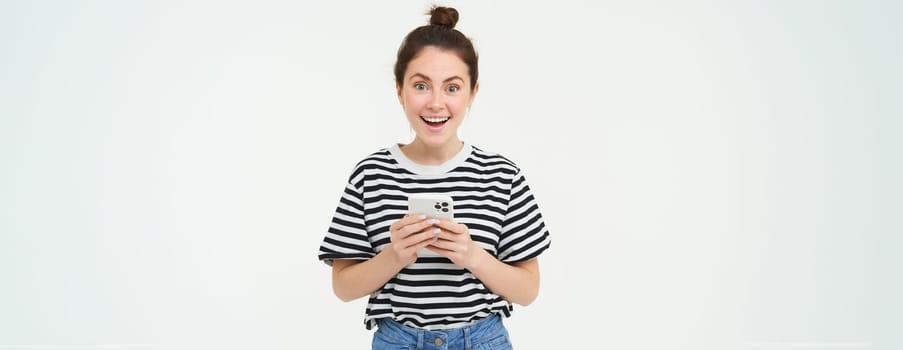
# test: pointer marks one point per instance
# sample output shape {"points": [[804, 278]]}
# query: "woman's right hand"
{"points": [[409, 235]]}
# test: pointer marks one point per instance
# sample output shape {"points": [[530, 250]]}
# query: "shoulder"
{"points": [[382, 156], [486, 158], [380, 160]]}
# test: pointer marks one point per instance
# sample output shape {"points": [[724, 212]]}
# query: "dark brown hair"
{"points": [[440, 33]]}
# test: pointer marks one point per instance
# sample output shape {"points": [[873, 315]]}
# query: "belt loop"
{"points": [[419, 339], [467, 341]]}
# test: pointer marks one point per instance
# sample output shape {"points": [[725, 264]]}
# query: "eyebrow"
{"points": [[428, 78]]}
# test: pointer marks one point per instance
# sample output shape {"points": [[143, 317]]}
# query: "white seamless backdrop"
{"points": [[715, 175]]}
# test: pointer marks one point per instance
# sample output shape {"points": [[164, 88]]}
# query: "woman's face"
{"points": [[435, 95]]}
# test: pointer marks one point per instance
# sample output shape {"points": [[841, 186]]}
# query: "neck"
{"points": [[424, 154]]}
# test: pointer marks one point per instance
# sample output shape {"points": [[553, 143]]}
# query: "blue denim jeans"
{"points": [[486, 334]]}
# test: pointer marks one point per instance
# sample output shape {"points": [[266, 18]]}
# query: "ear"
{"points": [[398, 92], [473, 94]]}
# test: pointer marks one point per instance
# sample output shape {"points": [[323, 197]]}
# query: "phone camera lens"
{"points": [[444, 204], [445, 210], [437, 206]]}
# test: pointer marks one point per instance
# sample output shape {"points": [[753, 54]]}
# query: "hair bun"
{"points": [[443, 16]]}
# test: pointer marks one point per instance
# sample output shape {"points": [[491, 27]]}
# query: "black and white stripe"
{"points": [[490, 196]]}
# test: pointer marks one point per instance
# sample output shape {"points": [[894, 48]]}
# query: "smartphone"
{"points": [[434, 206], [437, 206]]}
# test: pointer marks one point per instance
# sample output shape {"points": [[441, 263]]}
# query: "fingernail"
{"points": [[433, 221], [436, 231], [421, 217]]}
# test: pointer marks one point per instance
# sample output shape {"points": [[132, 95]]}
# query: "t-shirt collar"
{"points": [[415, 168]]}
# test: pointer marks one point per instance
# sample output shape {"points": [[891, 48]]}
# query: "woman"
{"points": [[434, 282]]}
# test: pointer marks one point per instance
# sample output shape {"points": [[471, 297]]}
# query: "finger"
{"points": [[421, 245], [407, 220], [448, 235], [409, 225], [419, 237], [451, 226], [451, 254], [418, 227], [425, 242], [446, 245], [439, 251]]}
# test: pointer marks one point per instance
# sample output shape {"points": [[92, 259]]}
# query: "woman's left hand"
{"points": [[455, 244]]}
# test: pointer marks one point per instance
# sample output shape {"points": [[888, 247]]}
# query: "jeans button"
{"points": [[438, 342]]}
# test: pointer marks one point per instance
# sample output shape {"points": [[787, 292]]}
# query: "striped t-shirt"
{"points": [[491, 198]]}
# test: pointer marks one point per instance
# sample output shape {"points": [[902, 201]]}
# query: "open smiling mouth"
{"points": [[435, 121]]}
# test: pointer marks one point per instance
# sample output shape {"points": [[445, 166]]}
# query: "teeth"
{"points": [[435, 120]]}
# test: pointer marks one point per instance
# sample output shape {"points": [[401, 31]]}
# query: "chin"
{"points": [[435, 140]]}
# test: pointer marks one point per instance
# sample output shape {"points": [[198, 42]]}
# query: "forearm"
{"points": [[353, 280], [517, 283]]}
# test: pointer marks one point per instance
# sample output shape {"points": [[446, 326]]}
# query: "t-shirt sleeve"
{"points": [[524, 234], [347, 234]]}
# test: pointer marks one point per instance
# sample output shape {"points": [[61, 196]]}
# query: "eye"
{"points": [[453, 88], [420, 86]]}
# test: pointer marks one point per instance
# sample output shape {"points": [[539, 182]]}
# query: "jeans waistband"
{"points": [[474, 333]]}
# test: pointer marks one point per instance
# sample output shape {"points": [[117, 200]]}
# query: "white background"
{"points": [[715, 175]]}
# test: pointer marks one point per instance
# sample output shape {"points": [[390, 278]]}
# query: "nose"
{"points": [[436, 101]]}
